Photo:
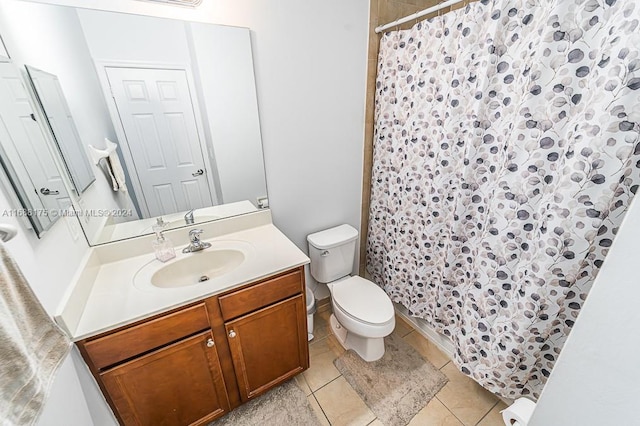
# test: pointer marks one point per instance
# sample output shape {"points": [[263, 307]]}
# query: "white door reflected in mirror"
{"points": [[55, 108], [26, 157], [157, 114]]}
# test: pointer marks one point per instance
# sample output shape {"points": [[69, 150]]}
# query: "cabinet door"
{"points": [[180, 384], [269, 346]]}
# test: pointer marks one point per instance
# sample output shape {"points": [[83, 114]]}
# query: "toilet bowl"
{"points": [[363, 314]]}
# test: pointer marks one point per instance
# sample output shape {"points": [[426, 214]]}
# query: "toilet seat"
{"points": [[363, 301]]}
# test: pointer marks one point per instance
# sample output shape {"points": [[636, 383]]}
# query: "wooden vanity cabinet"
{"points": [[194, 364], [180, 384], [266, 329]]}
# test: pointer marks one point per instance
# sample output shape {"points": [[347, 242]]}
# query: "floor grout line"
{"points": [[332, 380], [316, 339], [321, 409], [487, 413], [449, 410]]}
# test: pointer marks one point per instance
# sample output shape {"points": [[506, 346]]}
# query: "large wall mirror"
{"points": [[151, 117]]}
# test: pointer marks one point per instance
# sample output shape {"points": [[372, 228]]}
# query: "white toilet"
{"points": [[362, 312]]}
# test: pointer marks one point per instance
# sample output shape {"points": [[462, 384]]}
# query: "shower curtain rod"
{"points": [[417, 15]]}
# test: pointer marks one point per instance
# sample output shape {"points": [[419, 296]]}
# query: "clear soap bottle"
{"points": [[162, 246]]}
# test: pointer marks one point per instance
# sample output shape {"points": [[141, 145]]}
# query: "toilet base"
{"points": [[368, 348]]}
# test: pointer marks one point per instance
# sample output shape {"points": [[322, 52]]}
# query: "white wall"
{"points": [[595, 380], [121, 37], [225, 72], [310, 61]]}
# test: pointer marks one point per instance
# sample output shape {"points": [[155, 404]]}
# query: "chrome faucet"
{"points": [[188, 218], [195, 243]]}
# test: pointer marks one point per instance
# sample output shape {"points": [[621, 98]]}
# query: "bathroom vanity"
{"points": [[187, 355], [196, 363]]}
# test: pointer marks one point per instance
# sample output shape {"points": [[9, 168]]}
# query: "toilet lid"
{"points": [[363, 300]]}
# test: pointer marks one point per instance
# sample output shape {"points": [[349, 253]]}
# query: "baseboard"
{"points": [[323, 305], [421, 326]]}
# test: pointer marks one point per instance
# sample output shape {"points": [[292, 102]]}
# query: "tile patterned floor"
{"points": [[461, 402]]}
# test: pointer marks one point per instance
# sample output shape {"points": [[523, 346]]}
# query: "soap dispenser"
{"points": [[162, 246]]}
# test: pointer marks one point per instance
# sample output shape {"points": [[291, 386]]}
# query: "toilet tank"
{"points": [[332, 252]]}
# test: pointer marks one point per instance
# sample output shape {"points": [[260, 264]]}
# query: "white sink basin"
{"points": [[191, 269], [197, 268]]}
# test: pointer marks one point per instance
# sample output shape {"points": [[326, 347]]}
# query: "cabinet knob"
{"points": [[232, 334], [210, 343]]}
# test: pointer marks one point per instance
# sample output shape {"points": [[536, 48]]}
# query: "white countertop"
{"points": [[113, 301]]}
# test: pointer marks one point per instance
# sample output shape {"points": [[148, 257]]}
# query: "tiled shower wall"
{"points": [[382, 12]]}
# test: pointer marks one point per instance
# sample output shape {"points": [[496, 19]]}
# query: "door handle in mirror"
{"points": [[47, 191], [200, 172]]}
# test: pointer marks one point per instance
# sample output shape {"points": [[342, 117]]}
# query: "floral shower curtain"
{"points": [[506, 153]]}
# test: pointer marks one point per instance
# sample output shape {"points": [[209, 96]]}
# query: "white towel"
{"points": [[113, 165], [32, 347]]}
